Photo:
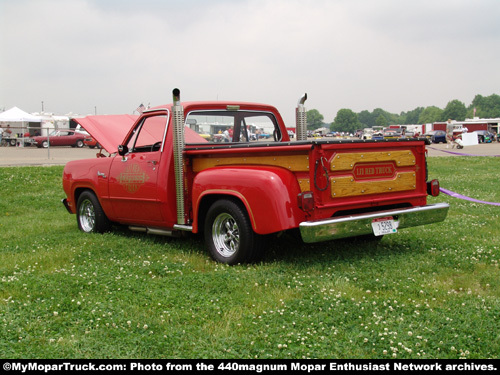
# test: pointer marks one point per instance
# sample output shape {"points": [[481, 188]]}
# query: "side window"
{"points": [[230, 127], [149, 135]]}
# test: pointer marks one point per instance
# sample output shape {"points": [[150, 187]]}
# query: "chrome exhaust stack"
{"points": [[178, 122], [301, 119]]}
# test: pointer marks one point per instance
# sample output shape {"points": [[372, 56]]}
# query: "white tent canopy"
{"points": [[18, 115]]}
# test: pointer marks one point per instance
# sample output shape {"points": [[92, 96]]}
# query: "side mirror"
{"points": [[122, 150]]}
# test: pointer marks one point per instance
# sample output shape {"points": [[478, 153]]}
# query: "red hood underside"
{"points": [[108, 130]]}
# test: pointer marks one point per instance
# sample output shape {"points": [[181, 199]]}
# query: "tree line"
{"points": [[347, 120]]}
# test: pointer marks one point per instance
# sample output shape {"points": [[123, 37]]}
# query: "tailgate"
{"points": [[347, 176]]}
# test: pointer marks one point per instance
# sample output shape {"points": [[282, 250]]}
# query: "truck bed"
{"points": [[344, 174]]}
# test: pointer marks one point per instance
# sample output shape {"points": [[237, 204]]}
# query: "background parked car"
{"points": [[264, 135], [91, 142], [436, 136], [61, 137], [484, 136], [392, 133]]}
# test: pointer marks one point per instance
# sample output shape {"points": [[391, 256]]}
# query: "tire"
{"points": [[79, 143], [90, 215], [45, 144], [229, 236]]}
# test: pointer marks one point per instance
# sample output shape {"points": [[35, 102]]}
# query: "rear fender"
{"points": [[269, 195]]}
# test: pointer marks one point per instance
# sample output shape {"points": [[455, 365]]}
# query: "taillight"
{"points": [[306, 201], [433, 188]]}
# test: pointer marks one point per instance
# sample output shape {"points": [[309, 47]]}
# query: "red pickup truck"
{"points": [[198, 167]]}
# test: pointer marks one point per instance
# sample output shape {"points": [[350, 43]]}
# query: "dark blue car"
{"points": [[436, 136]]}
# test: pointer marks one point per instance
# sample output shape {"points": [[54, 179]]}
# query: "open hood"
{"points": [[108, 130]]}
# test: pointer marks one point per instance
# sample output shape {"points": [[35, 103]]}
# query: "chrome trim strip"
{"points": [[358, 225], [151, 110]]}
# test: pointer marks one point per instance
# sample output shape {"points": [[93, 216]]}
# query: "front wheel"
{"points": [[229, 235], [90, 215]]}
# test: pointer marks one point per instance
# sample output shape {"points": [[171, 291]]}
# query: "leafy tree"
{"points": [[454, 110], [390, 118], [369, 119], [377, 112], [345, 121], [381, 121], [314, 119], [411, 117], [430, 115], [486, 106], [366, 119]]}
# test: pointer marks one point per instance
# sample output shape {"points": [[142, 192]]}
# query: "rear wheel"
{"points": [[90, 215], [229, 235]]}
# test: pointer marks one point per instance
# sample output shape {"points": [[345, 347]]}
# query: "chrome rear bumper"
{"points": [[358, 225]]}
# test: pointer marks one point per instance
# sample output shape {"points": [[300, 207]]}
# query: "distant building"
{"points": [[491, 124]]}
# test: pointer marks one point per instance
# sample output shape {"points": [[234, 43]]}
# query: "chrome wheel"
{"points": [[226, 235], [87, 216], [90, 215], [229, 234]]}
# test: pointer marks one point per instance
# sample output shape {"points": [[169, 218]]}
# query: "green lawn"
{"points": [[426, 292]]}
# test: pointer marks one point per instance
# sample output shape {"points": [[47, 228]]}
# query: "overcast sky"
{"points": [[112, 55]]}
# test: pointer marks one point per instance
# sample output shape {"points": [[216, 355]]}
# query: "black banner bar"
{"points": [[234, 366]]}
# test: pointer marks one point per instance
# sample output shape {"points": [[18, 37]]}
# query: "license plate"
{"points": [[384, 225]]}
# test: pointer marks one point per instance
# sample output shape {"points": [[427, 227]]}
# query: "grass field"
{"points": [[426, 292]]}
